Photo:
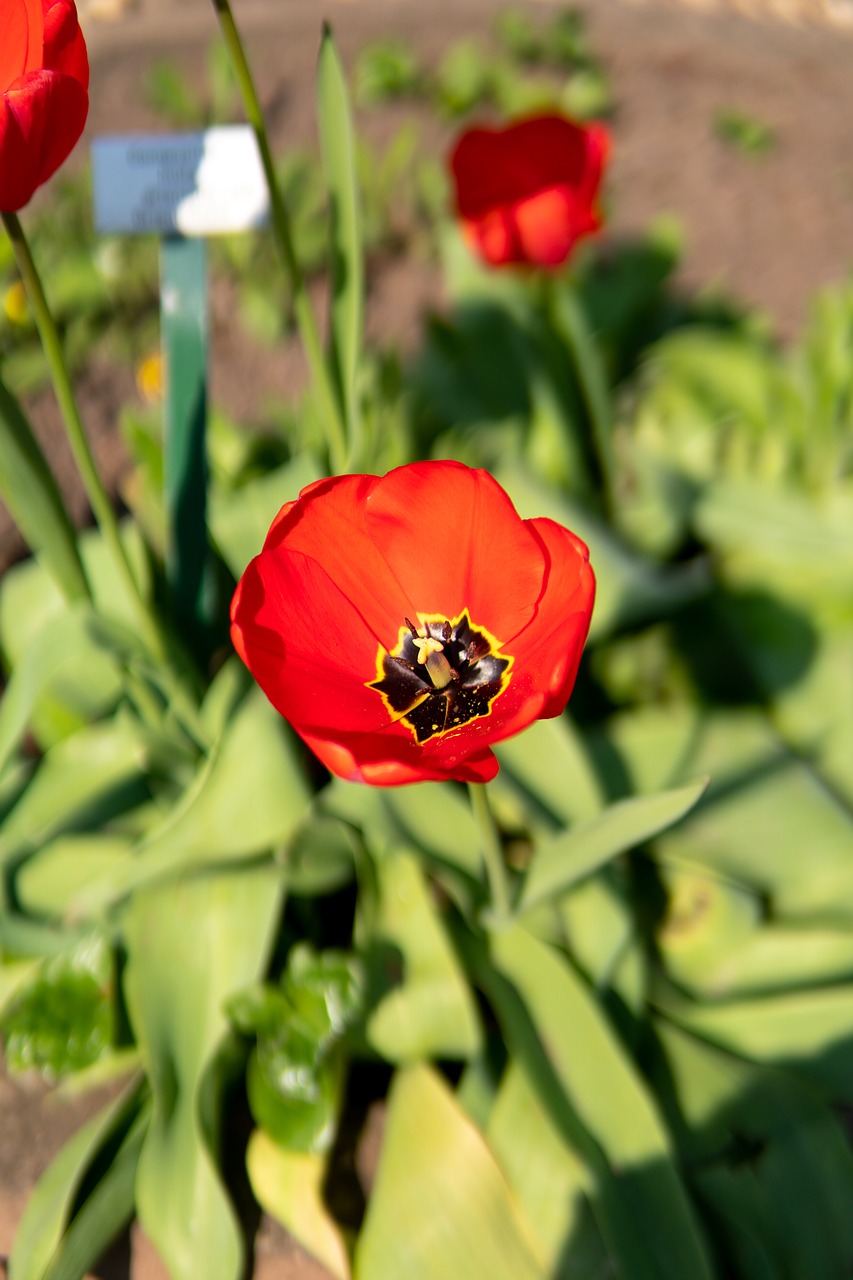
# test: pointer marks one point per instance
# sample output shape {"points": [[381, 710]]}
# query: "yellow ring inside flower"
{"points": [[421, 693]]}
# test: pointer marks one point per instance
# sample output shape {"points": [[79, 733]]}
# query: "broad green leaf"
{"points": [[61, 878], [436, 817], [424, 1004], [559, 862], [88, 681], [84, 780], [49, 1208], [347, 265], [246, 799], [32, 497], [289, 1185], [799, 1180], [811, 1031], [776, 536], [598, 923], [768, 821], [440, 1206], [320, 857], [604, 1108], [107, 1209], [549, 763], [547, 1179], [190, 947], [58, 644]]}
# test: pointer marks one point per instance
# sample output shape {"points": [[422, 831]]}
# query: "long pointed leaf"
{"points": [[336, 136], [32, 495], [559, 863], [190, 947]]}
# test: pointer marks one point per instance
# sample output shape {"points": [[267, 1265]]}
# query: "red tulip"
{"points": [[44, 93], [403, 623], [527, 193]]}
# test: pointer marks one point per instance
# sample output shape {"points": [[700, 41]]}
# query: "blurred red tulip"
{"points": [[403, 623], [527, 193], [44, 93]]}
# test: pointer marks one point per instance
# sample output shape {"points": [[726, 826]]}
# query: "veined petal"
{"points": [[327, 522], [306, 644], [360, 759], [548, 651], [41, 117], [453, 540], [64, 46], [22, 27]]}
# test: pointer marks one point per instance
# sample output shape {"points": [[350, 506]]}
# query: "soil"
{"points": [[768, 229]]}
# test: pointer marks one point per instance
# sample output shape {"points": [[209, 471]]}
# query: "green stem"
{"points": [[330, 408], [492, 849], [572, 325], [99, 500]]}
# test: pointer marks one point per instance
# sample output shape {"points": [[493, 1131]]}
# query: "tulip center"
{"points": [[441, 675]]}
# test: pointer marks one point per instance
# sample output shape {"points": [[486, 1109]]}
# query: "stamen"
{"points": [[431, 655]]}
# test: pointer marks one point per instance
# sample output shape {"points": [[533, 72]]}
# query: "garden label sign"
{"points": [[182, 187]]}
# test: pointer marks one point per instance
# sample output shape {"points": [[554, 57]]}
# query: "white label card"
{"points": [[192, 184]]}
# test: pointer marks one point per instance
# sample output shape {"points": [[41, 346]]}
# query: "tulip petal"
{"points": [[41, 118], [548, 652], [334, 530], [306, 645], [526, 193], [22, 25], [64, 46], [451, 537], [360, 759]]}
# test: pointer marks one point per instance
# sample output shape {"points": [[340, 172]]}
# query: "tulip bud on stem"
{"points": [[97, 495], [492, 850], [330, 410]]}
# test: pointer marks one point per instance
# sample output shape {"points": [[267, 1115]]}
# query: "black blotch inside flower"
{"points": [[476, 677]]}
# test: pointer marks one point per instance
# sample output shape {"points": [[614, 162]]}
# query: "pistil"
{"points": [[431, 655]]}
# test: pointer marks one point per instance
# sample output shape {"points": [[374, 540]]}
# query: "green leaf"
{"points": [[51, 1205], [769, 1136], [602, 1106], [439, 1206], [560, 862], [107, 1209], [347, 264], [424, 1007], [190, 947], [547, 1179], [246, 799], [63, 1020], [295, 1074], [32, 496], [56, 646], [87, 683], [81, 782], [289, 1185], [549, 763], [810, 1031]]}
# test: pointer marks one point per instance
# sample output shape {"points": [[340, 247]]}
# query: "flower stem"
{"points": [[572, 326], [493, 854], [330, 409], [99, 500]]}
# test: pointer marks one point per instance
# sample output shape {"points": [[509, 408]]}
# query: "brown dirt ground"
{"points": [[769, 230]]}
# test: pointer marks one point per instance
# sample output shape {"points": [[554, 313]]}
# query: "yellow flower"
{"points": [[149, 378], [15, 303]]}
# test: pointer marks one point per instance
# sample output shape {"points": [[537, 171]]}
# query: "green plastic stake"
{"points": [[183, 305]]}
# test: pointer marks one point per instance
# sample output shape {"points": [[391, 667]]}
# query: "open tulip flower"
{"points": [[44, 93], [403, 623], [527, 193]]}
